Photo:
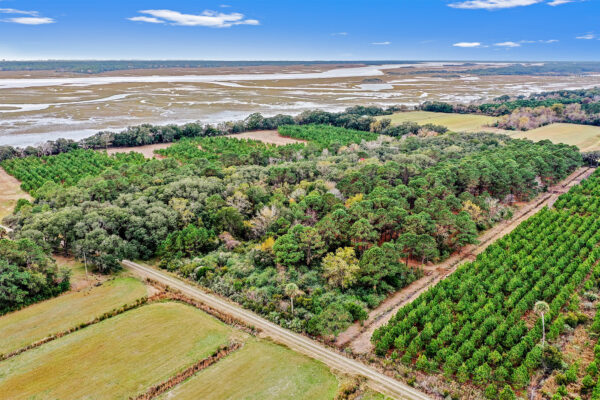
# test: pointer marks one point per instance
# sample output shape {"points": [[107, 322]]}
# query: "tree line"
{"points": [[357, 117]]}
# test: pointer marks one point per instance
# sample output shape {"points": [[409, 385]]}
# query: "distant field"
{"points": [[260, 370], [272, 137], [26, 326], [147, 150], [454, 122], [586, 137], [117, 358]]}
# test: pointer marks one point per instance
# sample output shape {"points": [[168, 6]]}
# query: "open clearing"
{"points": [[147, 150], [272, 137], [78, 278], [260, 370], [586, 137], [33, 323], [454, 122], [117, 358], [10, 192]]}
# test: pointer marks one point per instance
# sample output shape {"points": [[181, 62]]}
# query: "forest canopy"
{"points": [[347, 218]]}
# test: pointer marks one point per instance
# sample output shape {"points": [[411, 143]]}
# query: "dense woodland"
{"points": [[310, 235], [27, 275], [483, 324]]}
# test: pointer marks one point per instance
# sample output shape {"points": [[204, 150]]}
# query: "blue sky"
{"points": [[301, 30]]}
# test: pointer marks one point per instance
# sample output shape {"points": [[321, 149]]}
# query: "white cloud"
{"points": [[507, 44], [32, 19], [208, 18], [381, 43], [467, 44], [554, 3], [499, 4], [492, 4], [339, 34], [14, 11], [150, 20], [588, 36], [538, 41]]}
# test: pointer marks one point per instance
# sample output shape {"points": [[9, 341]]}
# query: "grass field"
{"points": [[260, 370], [454, 122], [26, 326], [117, 358], [586, 137]]}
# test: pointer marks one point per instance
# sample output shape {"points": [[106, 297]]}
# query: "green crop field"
{"points": [[65, 168], [26, 326], [117, 358], [454, 122], [260, 370], [326, 135], [586, 137]]}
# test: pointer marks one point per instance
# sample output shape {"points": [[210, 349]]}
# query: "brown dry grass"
{"points": [[147, 150], [10, 192], [271, 137]]}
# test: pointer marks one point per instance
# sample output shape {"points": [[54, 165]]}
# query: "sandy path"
{"points": [[147, 150], [359, 337], [272, 137], [10, 192]]}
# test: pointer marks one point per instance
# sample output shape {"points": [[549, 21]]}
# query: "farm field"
{"points": [[65, 168], [21, 328], [586, 137], [117, 358], [260, 370], [454, 122], [228, 151], [326, 135]]}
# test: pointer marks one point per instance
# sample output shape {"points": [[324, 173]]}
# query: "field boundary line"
{"points": [[189, 372], [334, 359], [107, 315]]}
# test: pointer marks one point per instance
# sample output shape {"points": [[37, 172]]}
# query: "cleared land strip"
{"points": [[377, 380], [359, 337]]}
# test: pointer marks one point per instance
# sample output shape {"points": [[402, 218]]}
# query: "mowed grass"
{"points": [[586, 137], [117, 358], [21, 328], [260, 370], [454, 122]]}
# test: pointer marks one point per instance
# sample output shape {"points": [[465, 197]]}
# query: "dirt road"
{"points": [[359, 337], [311, 348]]}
